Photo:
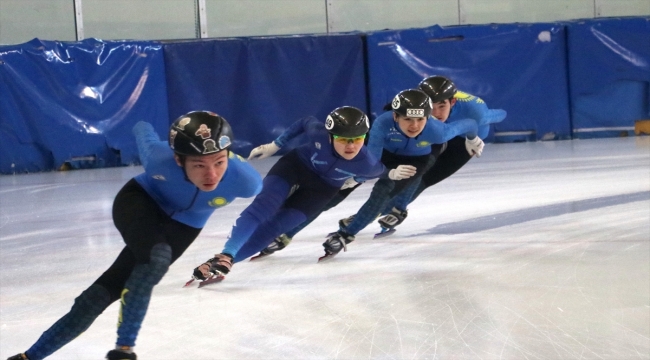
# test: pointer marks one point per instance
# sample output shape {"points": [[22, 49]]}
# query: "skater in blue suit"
{"points": [[449, 106], [159, 213], [303, 180]]}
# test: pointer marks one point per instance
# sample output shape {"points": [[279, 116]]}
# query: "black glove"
{"points": [[220, 263]]}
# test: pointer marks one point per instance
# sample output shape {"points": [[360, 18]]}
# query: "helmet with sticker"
{"points": [[439, 88], [412, 103], [347, 121], [200, 133]]}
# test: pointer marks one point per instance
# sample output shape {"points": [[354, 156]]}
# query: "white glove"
{"points": [[350, 182], [264, 151], [402, 172], [474, 146]]}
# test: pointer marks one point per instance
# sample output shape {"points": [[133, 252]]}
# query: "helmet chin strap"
{"points": [[181, 160], [334, 152]]}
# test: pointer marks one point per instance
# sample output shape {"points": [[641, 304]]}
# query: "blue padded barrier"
{"points": [[517, 67], [262, 85], [609, 73], [76, 102]]}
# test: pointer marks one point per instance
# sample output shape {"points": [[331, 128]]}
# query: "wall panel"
{"points": [[142, 19], [622, 8], [368, 15], [509, 11], [23, 20], [263, 17]]}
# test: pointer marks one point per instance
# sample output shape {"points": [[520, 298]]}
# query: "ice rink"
{"points": [[533, 251]]}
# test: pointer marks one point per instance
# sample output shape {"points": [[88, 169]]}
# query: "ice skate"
{"points": [[278, 244], [336, 242], [343, 223], [124, 353], [20, 356], [390, 221], [214, 278]]}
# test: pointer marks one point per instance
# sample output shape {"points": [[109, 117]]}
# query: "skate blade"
{"points": [[326, 257], [188, 283], [211, 280], [259, 256], [384, 233]]}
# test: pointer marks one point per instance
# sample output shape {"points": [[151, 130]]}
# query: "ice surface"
{"points": [[533, 251]]}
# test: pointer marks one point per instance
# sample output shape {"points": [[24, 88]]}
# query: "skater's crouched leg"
{"points": [[137, 293], [87, 307]]}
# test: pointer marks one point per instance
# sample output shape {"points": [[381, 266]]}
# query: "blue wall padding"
{"points": [[64, 101], [262, 85], [76, 102], [609, 73], [517, 67]]}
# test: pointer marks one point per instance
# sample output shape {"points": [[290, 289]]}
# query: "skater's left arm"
{"points": [[438, 132], [146, 139], [378, 131], [484, 116], [304, 125]]}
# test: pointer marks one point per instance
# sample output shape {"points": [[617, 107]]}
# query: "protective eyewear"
{"points": [[348, 140]]}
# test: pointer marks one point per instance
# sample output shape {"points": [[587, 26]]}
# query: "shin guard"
{"points": [[137, 293]]}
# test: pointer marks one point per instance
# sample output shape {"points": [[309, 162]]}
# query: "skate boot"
{"points": [[278, 244], [336, 242], [20, 356], [121, 353], [343, 223], [393, 219]]}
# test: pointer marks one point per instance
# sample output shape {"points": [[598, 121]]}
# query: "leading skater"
{"points": [[302, 181], [449, 106], [159, 213]]}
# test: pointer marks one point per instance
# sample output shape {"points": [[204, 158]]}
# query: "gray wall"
{"points": [[66, 20]]}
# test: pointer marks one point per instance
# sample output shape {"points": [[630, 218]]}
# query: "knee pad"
{"points": [[159, 261], [161, 255]]}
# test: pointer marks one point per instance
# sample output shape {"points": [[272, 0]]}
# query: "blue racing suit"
{"points": [[297, 186]]}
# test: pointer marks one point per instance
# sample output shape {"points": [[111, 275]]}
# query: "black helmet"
{"points": [[412, 103], [347, 121], [439, 88], [200, 133]]}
